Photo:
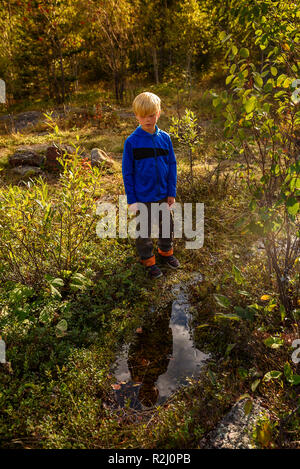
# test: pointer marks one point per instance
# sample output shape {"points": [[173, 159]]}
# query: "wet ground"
{"points": [[162, 355]]}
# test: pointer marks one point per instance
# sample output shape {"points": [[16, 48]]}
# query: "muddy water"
{"points": [[162, 356]]}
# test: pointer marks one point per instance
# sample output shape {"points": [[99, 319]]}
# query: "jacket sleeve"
{"points": [[172, 175], [127, 171]]}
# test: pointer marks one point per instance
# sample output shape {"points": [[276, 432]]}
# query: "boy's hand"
{"points": [[171, 201], [133, 207]]}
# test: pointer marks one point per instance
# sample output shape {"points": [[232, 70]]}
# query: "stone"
{"points": [[99, 157], [27, 170], [53, 152], [26, 157], [22, 120], [234, 430], [36, 147]]}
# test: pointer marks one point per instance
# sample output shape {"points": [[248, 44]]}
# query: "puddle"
{"points": [[162, 356]]}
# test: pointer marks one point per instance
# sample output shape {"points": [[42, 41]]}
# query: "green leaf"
{"points": [[229, 348], [286, 82], [273, 342], [295, 380], [250, 104], [79, 281], [55, 292], [288, 372], [212, 377], [245, 313], [229, 79], [234, 50], [242, 372], [233, 317], [243, 396], [248, 406], [268, 86], [62, 326], [292, 378], [282, 312], [238, 276], [258, 80], [255, 384], [272, 375], [222, 35], [243, 292], [58, 282], [244, 52], [292, 206], [280, 79], [222, 300], [274, 71], [202, 325]]}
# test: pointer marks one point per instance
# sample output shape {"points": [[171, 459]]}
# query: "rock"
{"points": [[99, 157], [23, 119], [55, 151], [27, 170], [36, 147], [234, 430], [26, 157]]}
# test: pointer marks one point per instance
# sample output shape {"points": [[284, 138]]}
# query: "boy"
{"points": [[150, 175]]}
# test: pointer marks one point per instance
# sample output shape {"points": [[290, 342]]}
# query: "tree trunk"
{"points": [[62, 97], [155, 66], [191, 164], [188, 72]]}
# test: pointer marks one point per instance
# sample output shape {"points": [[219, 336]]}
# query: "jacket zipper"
{"points": [[155, 155]]}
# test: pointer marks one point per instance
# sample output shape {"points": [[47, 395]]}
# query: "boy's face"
{"points": [[148, 122]]}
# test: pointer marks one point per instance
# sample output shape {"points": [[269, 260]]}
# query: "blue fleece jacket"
{"points": [[149, 166]]}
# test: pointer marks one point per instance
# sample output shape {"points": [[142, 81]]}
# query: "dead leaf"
{"points": [[145, 362], [116, 386]]}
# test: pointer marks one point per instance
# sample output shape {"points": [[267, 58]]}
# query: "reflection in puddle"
{"points": [[161, 357]]}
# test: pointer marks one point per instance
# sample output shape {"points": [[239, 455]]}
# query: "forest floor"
{"points": [[58, 391]]}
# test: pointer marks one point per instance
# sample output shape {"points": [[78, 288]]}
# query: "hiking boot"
{"points": [[154, 271], [170, 261]]}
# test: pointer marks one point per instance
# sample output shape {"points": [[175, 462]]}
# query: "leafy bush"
{"points": [[261, 130], [47, 234]]}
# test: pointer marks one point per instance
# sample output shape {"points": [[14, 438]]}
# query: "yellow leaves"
{"points": [[265, 297], [264, 434]]}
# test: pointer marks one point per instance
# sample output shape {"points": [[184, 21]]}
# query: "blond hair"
{"points": [[145, 104]]}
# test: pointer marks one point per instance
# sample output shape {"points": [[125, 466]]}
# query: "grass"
{"points": [[58, 391]]}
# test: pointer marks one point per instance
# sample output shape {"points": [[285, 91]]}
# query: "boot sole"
{"points": [[171, 266], [157, 276], [164, 263]]}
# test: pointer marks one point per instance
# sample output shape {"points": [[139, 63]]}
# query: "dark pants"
{"points": [[144, 245]]}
